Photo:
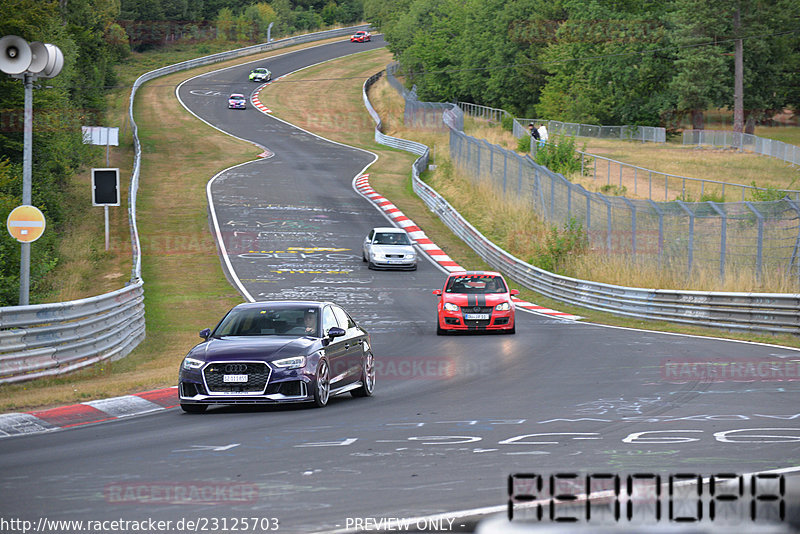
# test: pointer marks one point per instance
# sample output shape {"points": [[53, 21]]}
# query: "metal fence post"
{"points": [[505, 169], [760, 242], [660, 214], [722, 238], [633, 223], [690, 250]]}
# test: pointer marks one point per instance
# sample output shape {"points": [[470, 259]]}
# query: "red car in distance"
{"points": [[475, 300], [360, 37]]}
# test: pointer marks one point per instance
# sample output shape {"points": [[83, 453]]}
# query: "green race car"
{"points": [[260, 75]]}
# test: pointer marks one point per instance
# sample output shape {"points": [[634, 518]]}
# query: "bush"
{"points": [[614, 190], [560, 245], [559, 155], [766, 194], [507, 123], [524, 144]]}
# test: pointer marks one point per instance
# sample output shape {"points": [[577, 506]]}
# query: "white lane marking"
{"points": [[213, 448], [343, 443]]}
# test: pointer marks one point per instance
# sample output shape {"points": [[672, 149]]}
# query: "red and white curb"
{"points": [[256, 101], [436, 253], [86, 413]]}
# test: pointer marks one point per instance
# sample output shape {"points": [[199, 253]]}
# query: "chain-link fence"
{"points": [[730, 237], [753, 143]]}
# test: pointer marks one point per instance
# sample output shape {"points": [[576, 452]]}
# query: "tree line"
{"points": [[613, 62], [95, 36]]}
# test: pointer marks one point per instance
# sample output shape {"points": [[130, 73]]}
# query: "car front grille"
{"points": [[477, 309], [477, 324], [257, 377]]}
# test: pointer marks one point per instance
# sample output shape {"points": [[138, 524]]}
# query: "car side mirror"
{"points": [[205, 333], [514, 292], [335, 331], [437, 292]]}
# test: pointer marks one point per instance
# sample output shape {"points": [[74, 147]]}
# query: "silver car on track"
{"points": [[389, 248]]}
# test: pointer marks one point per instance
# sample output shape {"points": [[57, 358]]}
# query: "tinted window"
{"points": [[476, 284], [297, 321]]}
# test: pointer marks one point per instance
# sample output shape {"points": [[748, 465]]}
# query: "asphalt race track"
{"points": [[452, 416]]}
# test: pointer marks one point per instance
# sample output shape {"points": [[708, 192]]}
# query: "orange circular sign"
{"points": [[26, 224]]}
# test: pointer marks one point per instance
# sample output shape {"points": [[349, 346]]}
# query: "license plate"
{"points": [[396, 261], [234, 378], [476, 316]]}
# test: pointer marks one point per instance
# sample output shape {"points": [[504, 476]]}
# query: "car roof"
{"points": [[283, 303], [389, 229], [236, 94], [474, 273], [260, 68]]}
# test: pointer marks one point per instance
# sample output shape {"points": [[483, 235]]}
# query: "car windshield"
{"points": [[476, 284], [260, 71], [237, 98], [294, 321], [391, 238]]}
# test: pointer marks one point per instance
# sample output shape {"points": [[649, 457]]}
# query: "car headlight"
{"points": [[449, 306], [295, 362], [505, 306], [191, 363]]}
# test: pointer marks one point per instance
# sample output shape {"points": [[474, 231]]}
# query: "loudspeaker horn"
{"points": [[15, 54], [39, 60], [55, 61]]}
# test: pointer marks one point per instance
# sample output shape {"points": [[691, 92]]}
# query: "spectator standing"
{"points": [[542, 135]]}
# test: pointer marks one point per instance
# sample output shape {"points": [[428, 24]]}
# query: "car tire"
{"points": [[363, 257], [322, 385], [370, 266], [367, 377], [440, 331], [193, 408]]}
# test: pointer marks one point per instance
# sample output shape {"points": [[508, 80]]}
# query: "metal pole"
{"points": [[27, 165], [105, 209]]}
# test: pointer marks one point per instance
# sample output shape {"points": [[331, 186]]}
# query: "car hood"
{"points": [[252, 348], [488, 299], [393, 249]]}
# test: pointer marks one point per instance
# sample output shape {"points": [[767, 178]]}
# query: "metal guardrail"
{"points": [[760, 145], [52, 339], [770, 312]]}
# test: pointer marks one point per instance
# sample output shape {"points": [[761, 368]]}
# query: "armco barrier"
{"points": [[770, 312], [51, 339]]}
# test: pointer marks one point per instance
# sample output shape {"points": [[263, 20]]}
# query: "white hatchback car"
{"points": [[389, 248]]}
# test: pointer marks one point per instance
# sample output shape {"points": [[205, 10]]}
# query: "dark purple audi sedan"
{"points": [[270, 352]]}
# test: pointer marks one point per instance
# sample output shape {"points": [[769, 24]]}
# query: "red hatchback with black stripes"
{"points": [[475, 300]]}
